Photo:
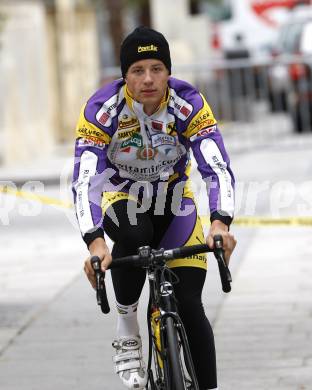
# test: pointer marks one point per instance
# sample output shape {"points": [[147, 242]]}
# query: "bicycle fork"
{"points": [[157, 320]]}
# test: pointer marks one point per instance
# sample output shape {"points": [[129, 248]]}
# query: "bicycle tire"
{"points": [[157, 377], [174, 356]]}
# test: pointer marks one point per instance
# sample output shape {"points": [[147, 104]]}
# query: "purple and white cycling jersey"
{"points": [[118, 144]]}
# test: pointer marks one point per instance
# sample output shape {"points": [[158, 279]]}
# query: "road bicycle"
{"points": [[170, 365]]}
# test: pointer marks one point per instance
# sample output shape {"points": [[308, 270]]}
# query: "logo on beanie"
{"points": [[147, 48]]}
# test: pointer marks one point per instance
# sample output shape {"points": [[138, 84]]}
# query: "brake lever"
{"points": [[225, 274], [101, 295]]}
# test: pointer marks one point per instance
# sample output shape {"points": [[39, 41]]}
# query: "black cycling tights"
{"points": [[128, 284]]}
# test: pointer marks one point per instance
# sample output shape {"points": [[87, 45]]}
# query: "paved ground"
{"points": [[65, 342], [53, 337], [264, 328]]}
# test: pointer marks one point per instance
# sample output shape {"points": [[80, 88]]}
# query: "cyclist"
{"points": [[131, 181]]}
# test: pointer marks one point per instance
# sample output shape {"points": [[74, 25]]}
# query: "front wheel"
{"points": [[177, 377]]}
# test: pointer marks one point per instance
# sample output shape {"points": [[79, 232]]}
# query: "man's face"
{"points": [[147, 81]]}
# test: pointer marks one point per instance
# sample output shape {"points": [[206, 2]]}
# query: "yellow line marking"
{"points": [[32, 196], [238, 221], [266, 221]]}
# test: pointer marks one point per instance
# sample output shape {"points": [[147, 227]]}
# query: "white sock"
{"points": [[127, 321]]}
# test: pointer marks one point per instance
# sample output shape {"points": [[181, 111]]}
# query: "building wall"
{"points": [[25, 99], [78, 64], [189, 35], [48, 67]]}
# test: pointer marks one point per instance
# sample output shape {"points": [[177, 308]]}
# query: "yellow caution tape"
{"points": [[32, 196], [238, 221], [266, 221]]}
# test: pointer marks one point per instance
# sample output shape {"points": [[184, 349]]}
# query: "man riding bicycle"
{"points": [[131, 181]]}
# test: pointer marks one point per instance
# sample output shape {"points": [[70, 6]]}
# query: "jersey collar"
{"points": [[137, 107]]}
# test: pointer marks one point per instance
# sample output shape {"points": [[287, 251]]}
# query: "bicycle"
{"points": [[169, 350]]}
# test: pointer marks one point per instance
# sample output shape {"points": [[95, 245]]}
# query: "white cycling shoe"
{"points": [[129, 364]]}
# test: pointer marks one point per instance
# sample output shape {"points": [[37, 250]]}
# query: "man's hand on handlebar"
{"points": [[229, 241], [98, 248]]}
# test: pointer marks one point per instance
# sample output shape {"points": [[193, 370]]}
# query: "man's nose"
{"points": [[148, 77]]}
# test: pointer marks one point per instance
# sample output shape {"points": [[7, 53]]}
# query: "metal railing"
{"points": [[255, 100]]}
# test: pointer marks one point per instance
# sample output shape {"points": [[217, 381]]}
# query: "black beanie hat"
{"points": [[144, 43]]}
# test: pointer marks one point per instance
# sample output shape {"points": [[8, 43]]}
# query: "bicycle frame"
{"points": [[162, 297], [172, 333]]}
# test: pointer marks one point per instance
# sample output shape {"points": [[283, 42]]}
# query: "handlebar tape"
{"points": [[189, 251], [124, 261]]}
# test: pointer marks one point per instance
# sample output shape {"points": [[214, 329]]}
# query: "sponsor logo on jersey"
{"points": [[203, 132], [198, 257], [127, 149], [204, 124], [162, 139], [147, 48], [172, 128], [222, 167], [204, 120], [80, 204], [103, 118], [92, 133], [136, 141], [128, 133], [184, 109], [91, 141], [126, 123], [176, 105], [108, 109], [151, 172], [156, 125], [146, 153]]}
